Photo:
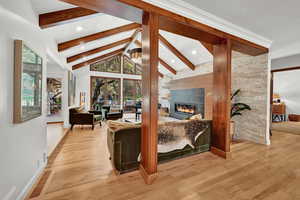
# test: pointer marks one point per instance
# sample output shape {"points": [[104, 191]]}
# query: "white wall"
{"points": [[286, 84], [22, 146], [285, 62]]}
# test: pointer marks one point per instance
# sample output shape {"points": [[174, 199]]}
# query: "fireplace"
{"points": [[189, 109], [186, 103]]}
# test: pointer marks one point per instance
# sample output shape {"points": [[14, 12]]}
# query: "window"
{"points": [[112, 64], [105, 91], [130, 67], [132, 92]]}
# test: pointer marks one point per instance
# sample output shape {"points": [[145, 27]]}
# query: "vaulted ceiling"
{"points": [[276, 20], [92, 37]]}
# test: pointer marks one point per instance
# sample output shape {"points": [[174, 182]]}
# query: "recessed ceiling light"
{"points": [[173, 61], [79, 28], [82, 47], [84, 58], [194, 52]]}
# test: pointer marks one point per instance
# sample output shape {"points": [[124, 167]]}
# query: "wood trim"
{"points": [[176, 52], [138, 43], [18, 45], [219, 152], [209, 47], [132, 10], [98, 50], [167, 66], [96, 36], [55, 18], [160, 75], [99, 58], [58, 122], [238, 44], [286, 69], [221, 99], [134, 36], [148, 178]]}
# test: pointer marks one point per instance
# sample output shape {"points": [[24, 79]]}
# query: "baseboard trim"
{"points": [[148, 178], [25, 192], [221, 153], [58, 122]]}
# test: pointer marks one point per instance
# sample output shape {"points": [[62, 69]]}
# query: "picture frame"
{"points": [[28, 78]]}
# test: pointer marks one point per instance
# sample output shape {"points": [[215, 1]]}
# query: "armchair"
{"points": [[77, 117]]}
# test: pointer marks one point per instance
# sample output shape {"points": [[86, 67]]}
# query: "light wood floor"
{"points": [[287, 127], [80, 170]]}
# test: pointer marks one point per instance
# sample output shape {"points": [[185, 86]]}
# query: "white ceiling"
{"points": [[101, 22], [276, 20]]}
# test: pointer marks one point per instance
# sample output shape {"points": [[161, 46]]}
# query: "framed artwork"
{"points": [[54, 90], [28, 70], [71, 88]]}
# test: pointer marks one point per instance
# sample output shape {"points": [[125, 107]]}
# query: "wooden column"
{"points": [[221, 99], [148, 167]]}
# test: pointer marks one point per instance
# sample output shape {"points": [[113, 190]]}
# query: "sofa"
{"points": [[176, 139], [77, 116]]}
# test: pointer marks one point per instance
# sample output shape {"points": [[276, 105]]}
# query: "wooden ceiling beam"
{"points": [[88, 62], [209, 47], [160, 75], [134, 37], [167, 66], [132, 10], [72, 43], [55, 18], [176, 52], [98, 50], [138, 43]]}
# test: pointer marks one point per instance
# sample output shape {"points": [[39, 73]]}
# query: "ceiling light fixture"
{"points": [[194, 52], [82, 47], [79, 28], [136, 55], [173, 61]]}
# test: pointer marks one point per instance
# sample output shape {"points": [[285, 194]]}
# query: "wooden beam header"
{"points": [[72, 43], [99, 58], [132, 10], [51, 19]]}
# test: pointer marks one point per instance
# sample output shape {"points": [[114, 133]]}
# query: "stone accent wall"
{"points": [[250, 74]]}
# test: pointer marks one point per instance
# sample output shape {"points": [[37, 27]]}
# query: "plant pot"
{"points": [[232, 126]]}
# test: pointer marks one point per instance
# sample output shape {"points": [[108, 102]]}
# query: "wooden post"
{"points": [[221, 99], [148, 166]]}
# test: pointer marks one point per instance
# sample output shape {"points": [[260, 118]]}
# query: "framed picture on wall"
{"points": [[28, 70], [71, 88]]}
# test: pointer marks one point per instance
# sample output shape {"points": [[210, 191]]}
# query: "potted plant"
{"points": [[236, 109]]}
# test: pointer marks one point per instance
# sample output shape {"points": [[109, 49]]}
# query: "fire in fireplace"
{"points": [[185, 108]]}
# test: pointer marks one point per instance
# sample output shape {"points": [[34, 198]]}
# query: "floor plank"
{"points": [[80, 169]]}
